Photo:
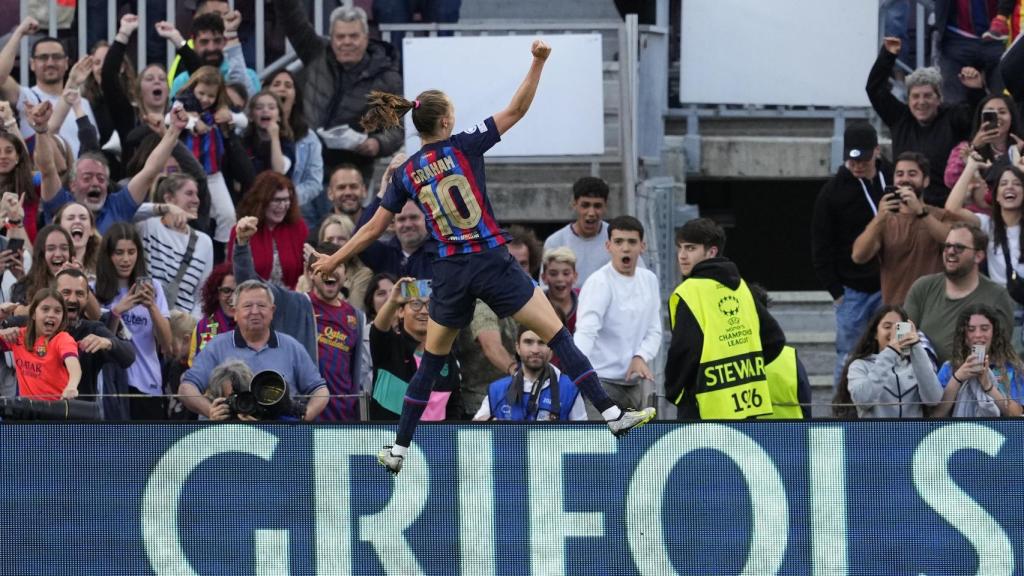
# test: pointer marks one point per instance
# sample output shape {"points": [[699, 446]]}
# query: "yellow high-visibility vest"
{"points": [[731, 382], [783, 383]]}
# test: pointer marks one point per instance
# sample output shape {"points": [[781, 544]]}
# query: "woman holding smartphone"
{"points": [[889, 374], [993, 136], [138, 302], [984, 377]]}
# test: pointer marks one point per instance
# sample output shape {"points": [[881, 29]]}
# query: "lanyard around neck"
{"points": [[867, 195]]}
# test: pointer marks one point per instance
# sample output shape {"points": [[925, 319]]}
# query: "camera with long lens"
{"points": [[267, 399], [17, 408]]}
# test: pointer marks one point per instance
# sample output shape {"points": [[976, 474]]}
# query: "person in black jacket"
{"points": [[700, 244], [845, 205], [338, 74], [923, 124]]}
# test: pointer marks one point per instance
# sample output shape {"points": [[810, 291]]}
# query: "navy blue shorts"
{"points": [[493, 276]]}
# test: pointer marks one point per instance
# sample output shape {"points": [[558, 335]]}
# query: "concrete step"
{"points": [[808, 320], [539, 203], [816, 349], [518, 171], [821, 396], [803, 311]]}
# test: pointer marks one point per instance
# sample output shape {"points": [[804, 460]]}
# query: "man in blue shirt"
{"points": [[88, 184], [261, 348]]}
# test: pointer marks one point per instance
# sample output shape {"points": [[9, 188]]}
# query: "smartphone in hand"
{"points": [[989, 119], [902, 330], [416, 289], [978, 351], [141, 281]]}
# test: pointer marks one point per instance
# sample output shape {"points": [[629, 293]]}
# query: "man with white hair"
{"points": [[923, 124], [256, 343], [337, 75]]}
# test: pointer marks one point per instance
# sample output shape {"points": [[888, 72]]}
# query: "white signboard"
{"points": [[792, 52], [481, 73]]}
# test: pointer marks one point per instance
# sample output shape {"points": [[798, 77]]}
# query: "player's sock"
{"points": [[416, 397], [613, 413], [576, 365]]}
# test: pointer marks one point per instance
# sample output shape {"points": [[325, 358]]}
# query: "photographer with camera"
{"points": [[262, 349], [226, 382], [322, 320], [905, 234]]}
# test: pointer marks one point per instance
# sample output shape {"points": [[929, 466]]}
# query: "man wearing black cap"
{"points": [[845, 205]]}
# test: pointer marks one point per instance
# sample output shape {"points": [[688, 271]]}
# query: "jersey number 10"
{"points": [[447, 214]]}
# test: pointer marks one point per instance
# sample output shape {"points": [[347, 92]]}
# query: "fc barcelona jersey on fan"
{"points": [[446, 179], [337, 329]]}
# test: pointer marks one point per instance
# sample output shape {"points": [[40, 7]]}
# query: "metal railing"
{"points": [[143, 31]]}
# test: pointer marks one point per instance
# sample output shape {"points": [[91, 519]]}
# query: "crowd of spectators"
{"points": [[922, 256], [160, 227]]}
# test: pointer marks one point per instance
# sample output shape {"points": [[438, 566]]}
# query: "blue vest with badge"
{"points": [[501, 409]]}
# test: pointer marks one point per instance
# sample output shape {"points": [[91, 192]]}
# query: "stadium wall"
{"points": [[830, 498]]}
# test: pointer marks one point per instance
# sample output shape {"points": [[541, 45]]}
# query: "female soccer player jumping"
{"points": [[446, 179]]}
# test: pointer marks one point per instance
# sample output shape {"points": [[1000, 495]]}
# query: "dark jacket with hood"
{"points": [[841, 212], [952, 125], [682, 367], [334, 95]]}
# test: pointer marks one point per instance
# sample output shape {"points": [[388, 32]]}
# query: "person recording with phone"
{"points": [[397, 353], [124, 286], [995, 135], [905, 234], [985, 376], [889, 373]]}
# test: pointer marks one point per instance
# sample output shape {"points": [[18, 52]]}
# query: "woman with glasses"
{"points": [[337, 229], [218, 308], [277, 246], [397, 352]]}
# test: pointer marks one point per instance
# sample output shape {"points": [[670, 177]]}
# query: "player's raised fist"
{"points": [[540, 49]]}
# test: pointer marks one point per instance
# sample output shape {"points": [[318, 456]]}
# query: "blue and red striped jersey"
{"points": [[337, 327], [446, 179]]}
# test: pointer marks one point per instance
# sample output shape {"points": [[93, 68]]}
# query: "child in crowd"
{"points": [[45, 355], [206, 101], [175, 364], [268, 138]]}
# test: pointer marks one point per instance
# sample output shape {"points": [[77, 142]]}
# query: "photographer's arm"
{"points": [[194, 400]]}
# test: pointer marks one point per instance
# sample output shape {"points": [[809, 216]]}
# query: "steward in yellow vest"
{"points": [[789, 387], [722, 340]]}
